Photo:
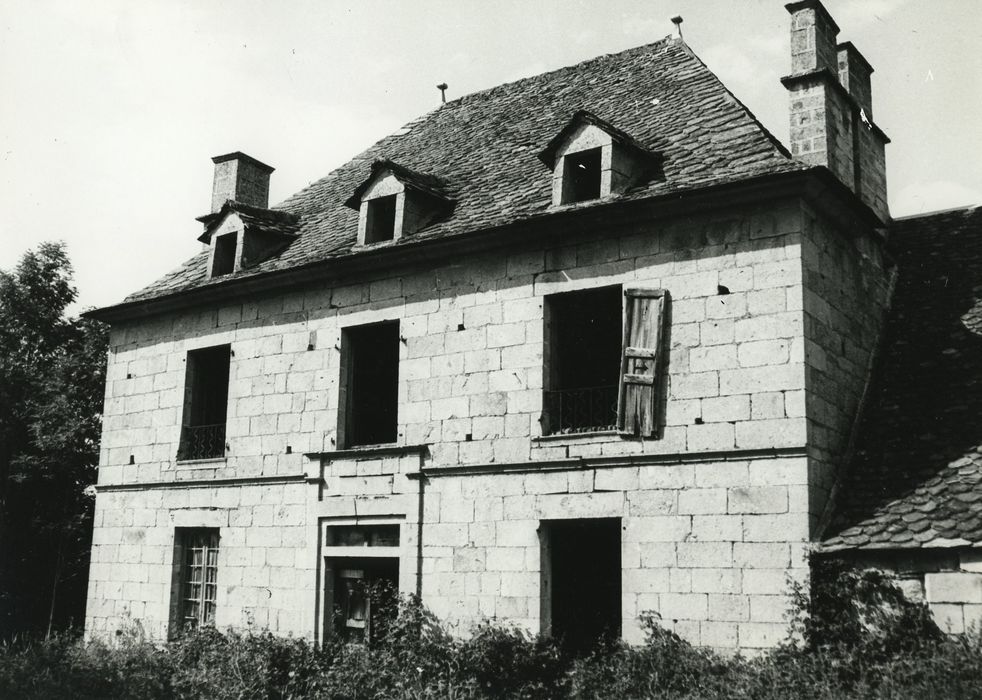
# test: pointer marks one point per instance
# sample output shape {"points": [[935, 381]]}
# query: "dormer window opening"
{"points": [[381, 222], [582, 176], [224, 259]]}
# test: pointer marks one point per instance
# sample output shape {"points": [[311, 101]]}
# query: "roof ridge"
{"points": [[539, 76]]}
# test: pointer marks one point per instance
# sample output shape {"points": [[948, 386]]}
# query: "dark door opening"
{"points": [[582, 581], [364, 594]]}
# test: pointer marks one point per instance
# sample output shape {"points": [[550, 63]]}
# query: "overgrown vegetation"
{"points": [[854, 637]]}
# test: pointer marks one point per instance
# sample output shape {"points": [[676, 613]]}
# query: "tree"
{"points": [[52, 378]]}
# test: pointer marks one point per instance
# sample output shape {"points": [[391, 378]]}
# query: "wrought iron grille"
{"points": [[202, 441], [581, 410]]}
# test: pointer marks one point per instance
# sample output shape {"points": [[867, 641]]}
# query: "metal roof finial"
{"points": [[442, 87], [677, 21]]}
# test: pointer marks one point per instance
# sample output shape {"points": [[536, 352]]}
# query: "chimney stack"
{"points": [[241, 178], [832, 106]]}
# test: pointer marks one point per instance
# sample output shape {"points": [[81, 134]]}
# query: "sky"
{"points": [[110, 110]]}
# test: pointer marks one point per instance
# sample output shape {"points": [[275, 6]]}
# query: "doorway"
{"points": [[581, 581]]}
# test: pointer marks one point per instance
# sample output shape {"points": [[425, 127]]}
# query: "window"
{"points": [[198, 577], [224, 258], [581, 176], [583, 333], [205, 404], [381, 223], [369, 384]]}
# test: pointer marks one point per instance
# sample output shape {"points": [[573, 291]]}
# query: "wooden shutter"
{"points": [[641, 360]]}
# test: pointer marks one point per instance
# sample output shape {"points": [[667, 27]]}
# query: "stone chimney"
{"points": [[832, 106], [242, 178]]}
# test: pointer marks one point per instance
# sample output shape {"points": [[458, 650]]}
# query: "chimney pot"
{"points": [[813, 33], [242, 178], [854, 74]]}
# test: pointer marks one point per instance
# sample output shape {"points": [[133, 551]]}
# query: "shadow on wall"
{"points": [[921, 438]]}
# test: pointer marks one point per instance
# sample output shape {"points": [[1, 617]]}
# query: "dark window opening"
{"points": [[371, 383], [205, 404], [380, 224], [197, 577], [581, 176], [224, 262], [584, 357], [581, 581], [362, 595]]}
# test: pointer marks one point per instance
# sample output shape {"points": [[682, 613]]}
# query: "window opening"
{"points": [[205, 404], [381, 222], [363, 594], [584, 354], [198, 577], [581, 176], [581, 581], [371, 383], [224, 260]]}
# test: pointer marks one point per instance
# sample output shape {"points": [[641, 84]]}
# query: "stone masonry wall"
{"points": [[845, 297], [265, 571], [470, 386]]}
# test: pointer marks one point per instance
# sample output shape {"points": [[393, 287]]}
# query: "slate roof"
{"points": [[484, 146], [916, 480]]}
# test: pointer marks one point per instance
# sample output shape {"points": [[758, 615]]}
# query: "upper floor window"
{"points": [[205, 404], [603, 372], [583, 336], [369, 384]]}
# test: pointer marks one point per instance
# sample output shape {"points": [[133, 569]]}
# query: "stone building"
{"points": [[564, 351]]}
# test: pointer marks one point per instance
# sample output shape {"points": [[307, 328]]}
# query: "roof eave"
{"points": [[815, 184]]}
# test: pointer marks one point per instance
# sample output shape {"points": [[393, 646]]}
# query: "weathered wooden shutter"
{"points": [[641, 360]]}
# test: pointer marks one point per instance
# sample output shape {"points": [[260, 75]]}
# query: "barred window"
{"points": [[199, 578]]}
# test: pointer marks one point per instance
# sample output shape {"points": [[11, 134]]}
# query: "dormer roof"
{"points": [[582, 117], [427, 184], [264, 221]]}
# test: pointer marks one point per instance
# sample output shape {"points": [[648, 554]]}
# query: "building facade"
{"points": [[557, 354]]}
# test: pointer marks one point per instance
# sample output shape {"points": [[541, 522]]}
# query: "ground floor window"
{"points": [[198, 576], [581, 581]]}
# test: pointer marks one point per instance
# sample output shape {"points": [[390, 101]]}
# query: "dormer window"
{"points": [[241, 236], [380, 219], [591, 159], [395, 202], [223, 260], [582, 176]]}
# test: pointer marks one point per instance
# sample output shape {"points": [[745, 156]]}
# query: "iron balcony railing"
{"points": [[202, 442], [581, 410]]}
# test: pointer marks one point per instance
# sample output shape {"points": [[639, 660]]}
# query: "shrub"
{"points": [[855, 636]]}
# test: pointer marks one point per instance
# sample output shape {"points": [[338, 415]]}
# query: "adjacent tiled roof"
{"points": [[484, 147], [916, 480]]}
